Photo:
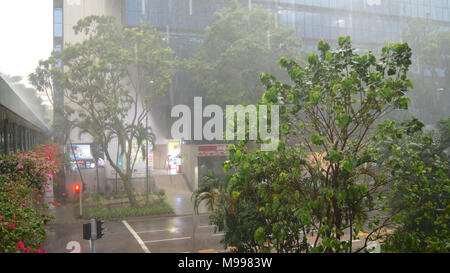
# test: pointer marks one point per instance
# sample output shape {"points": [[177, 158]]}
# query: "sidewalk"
{"points": [[64, 214]]}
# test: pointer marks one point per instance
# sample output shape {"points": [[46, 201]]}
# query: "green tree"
{"points": [[430, 44], [240, 44], [421, 192], [106, 82], [323, 185]]}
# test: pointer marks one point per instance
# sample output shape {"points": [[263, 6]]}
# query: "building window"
{"points": [[58, 22]]}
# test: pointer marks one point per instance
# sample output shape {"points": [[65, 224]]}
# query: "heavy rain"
{"points": [[224, 126]]}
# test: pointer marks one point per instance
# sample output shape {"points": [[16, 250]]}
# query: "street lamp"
{"points": [[147, 203]]}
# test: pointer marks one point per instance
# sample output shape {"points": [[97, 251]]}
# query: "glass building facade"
{"points": [[368, 22]]}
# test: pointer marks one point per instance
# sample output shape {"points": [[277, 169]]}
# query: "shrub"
{"points": [[22, 226], [420, 197], [122, 212], [23, 178]]}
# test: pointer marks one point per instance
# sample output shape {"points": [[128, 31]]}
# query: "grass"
{"points": [[124, 211], [118, 206]]}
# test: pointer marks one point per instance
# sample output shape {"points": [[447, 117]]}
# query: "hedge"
{"points": [[23, 179]]}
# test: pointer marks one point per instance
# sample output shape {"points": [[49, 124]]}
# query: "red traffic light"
{"points": [[77, 188]]}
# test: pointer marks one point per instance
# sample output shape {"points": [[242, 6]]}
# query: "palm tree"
{"points": [[209, 192]]}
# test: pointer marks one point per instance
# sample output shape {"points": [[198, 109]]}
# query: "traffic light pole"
{"points": [[81, 201], [93, 234], [93, 231]]}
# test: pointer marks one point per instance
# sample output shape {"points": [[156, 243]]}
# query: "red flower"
{"points": [[12, 225], [20, 245]]}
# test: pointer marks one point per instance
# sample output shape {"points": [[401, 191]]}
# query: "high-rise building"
{"points": [[368, 22]]}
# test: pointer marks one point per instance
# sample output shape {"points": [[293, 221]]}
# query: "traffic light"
{"points": [[87, 231], [100, 228], [77, 188]]}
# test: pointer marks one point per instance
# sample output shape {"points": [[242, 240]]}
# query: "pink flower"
{"points": [[27, 250], [19, 166], [20, 245], [12, 225], [24, 202], [59, 205]]}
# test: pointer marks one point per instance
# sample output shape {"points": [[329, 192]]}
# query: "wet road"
{"points": [[145, 235]]}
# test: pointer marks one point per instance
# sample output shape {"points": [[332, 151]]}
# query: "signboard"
{"points": [[81, 151], [214, 150]]}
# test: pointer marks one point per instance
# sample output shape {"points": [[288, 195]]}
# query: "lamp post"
{"points": [[147, 203]]}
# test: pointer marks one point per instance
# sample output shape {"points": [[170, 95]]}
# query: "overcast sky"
{"points": [[26, 35]]}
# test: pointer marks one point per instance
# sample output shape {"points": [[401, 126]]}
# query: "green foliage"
{"points": [[208, 192], [161, 194], [22, 223], [420, 201], [238, 47], [125, 211], [324, 179], [108, 81], [444, 132]]}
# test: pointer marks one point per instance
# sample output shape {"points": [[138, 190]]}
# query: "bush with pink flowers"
{"points": [[23, 180]]}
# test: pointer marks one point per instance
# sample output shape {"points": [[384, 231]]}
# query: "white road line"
{"points": [[138, 239], [150, 231], [206, 226], [219, 234], [166, 240], [158, 218]]}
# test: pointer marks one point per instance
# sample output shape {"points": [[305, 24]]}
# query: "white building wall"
{"points": [[74, 10]]}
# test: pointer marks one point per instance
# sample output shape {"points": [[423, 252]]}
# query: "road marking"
{"points": [[136, 236], [219, 234], [158, 218], [206, 226], [166, 240], [160, 230]]}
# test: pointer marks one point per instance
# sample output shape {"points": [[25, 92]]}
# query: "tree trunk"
{"points": [[125, 177], [129, 191]]}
